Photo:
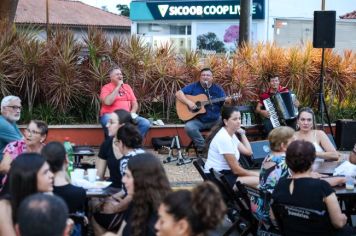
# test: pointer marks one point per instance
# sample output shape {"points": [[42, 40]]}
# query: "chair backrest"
{"points": [[199, 165], [289, 215]]}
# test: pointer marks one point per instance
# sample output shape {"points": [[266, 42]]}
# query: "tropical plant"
{"points": [[27, 63]]}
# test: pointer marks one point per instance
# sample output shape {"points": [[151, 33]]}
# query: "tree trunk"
{"points": [[245, 21], [8, 10]]}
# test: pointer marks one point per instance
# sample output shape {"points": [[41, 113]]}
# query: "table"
{"points": [[104, 193], [79, 152], [327, 167]]}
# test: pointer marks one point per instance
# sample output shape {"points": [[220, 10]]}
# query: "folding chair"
{"points": [[199, 165], [289, 216], [251, 196], [236, 208]]}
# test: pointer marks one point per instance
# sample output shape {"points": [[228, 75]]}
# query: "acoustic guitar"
{"points": [[201, 100]]}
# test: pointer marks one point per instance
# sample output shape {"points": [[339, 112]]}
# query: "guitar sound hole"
{"points": [[198, 104]]}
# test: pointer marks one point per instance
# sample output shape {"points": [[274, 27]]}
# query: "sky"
{"points": [[110, 4]]}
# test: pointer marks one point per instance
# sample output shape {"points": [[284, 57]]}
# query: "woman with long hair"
{"points": [[307, 131], [191, 213], [147, 183], [224, 148], [108, 213], [29, 173]]}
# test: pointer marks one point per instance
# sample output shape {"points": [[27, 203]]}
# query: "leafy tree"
{"points": [[124, 10], [8, 10], [210, 41]]}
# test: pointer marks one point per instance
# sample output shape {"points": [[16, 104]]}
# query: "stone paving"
{"points": [[179, 176]]}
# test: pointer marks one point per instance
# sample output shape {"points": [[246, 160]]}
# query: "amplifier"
{"points": [[345, 134]]}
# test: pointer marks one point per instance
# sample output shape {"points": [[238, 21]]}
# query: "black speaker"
{"points": [[345, 134], [324, 29]]}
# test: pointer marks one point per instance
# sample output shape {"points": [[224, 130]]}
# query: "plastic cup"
{"points": [[350, 185], [92, 175], [79, 173]]}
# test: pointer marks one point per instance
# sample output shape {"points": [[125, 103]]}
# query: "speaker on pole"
{"points": [[324, 29], [345, 134]]}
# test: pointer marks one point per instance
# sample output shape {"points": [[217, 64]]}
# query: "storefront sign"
{"points": [[202, 10]]}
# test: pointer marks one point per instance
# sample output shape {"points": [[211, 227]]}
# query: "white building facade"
{"points": [[212, 26]]}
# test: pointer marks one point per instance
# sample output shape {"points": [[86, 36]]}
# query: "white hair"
{"points": [[6, 100]]}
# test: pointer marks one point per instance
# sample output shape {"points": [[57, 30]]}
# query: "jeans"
{"points": [[193, 128], [143, 125]]}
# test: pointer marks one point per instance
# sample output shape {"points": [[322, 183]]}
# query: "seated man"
{"points": [[42, 214], [274, 87], [206, 120], [10, 114], [118, 95]]}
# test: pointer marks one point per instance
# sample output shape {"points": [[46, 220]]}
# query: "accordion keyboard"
{"points": [[272, 111]]}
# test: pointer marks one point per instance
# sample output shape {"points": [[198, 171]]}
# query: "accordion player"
{"points": [[281, 108]]}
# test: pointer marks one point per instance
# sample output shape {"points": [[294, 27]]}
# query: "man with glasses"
{"points": [[10, 114]]}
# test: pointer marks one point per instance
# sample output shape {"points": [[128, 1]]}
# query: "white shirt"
{"points": [[221, 144]]}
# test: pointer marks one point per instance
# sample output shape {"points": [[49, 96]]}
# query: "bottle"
{"points": [[69, 150], [243, 122], [248, 119]]}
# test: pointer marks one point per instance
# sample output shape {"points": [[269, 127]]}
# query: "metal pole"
{"points": [[47, 20]]}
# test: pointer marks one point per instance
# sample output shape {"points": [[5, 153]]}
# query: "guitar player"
{"points": [[211, 117], [274, 87]]}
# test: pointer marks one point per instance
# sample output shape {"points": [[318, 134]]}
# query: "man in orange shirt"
{"points": [[118, 95]]}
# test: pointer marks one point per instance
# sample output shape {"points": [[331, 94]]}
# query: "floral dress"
{"points": [[15, 148], [269, 178]]}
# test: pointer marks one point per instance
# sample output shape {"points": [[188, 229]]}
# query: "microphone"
{"points": [[207, 91], [206, 84]]}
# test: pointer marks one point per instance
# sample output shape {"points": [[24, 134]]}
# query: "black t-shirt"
{"points": [[308, 193], [74, 196], [150, 222], [106, 153]]}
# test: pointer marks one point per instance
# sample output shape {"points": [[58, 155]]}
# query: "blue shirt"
{"points": [[8, 133], [212, 111]]}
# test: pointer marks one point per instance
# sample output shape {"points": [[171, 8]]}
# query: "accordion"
{"points": [[281, 107]]}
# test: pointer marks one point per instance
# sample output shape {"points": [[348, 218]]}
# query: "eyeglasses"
{"points": [[15, 108], [32, 131]]}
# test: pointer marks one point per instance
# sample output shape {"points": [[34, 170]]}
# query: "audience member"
{"points": [[118, 95], [307, 131], [42, 214], [224, 149], [206, 120], [29, 173], [10, 114], [109, 153], [353, 155], [34, 136], [303, 190], [74, 196], [273, 169], [147, 183], [191, 213], [129, 142]]}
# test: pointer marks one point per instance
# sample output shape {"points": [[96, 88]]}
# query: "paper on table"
{"points": [[88, 185], [346, 168]]}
